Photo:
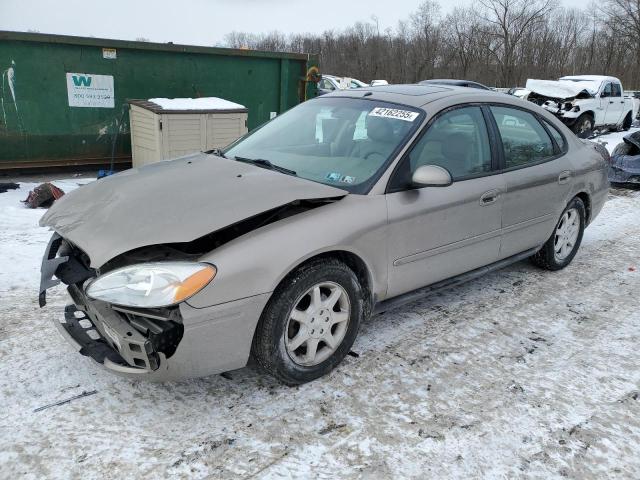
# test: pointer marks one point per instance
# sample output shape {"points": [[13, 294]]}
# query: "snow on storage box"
{"points": [[166, 128]]}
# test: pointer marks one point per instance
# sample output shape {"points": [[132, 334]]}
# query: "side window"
{"points": [[607, 90], [523, 138], [557, 136], [326, 85], [457, 140], [616, 90]]}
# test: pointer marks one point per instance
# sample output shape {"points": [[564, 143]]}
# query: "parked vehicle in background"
{"points": [[289, 244], [584, 102], [376, 83], [331, 83], [458, 83], [519, 92], [624, 166]]}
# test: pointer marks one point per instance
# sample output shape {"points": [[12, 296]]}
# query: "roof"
{"points": [[416, 95], [453, 81], [591, 78], [168, 47], [189, 105]]}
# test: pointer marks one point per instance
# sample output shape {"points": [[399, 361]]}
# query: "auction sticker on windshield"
{"points": [[406, 115]]}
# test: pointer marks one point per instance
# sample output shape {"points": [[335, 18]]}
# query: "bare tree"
{"points": [[499, 43], [511, 21]]}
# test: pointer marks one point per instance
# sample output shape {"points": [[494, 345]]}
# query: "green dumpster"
{"points": [[63, 99]]}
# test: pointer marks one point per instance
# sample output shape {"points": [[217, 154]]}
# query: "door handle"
{"points": [[564, 177], [489, 197], [610, 101]]}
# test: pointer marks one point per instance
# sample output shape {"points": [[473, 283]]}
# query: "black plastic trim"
{"points": [[449, 282]]}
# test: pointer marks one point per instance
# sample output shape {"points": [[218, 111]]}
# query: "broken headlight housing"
{"points": [[151, 285]]}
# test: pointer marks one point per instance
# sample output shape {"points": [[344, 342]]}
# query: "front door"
{"points": [[439, 232]]}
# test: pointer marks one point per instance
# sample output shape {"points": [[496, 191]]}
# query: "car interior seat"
{"points": [[380, 142]]}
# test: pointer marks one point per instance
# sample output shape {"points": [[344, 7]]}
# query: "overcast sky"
{"points": [[200, 22]]}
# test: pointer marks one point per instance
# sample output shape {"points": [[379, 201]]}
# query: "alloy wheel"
{"points": [[566, 234], [585, 126], [317, 324]]}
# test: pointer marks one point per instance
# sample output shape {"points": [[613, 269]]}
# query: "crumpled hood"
{"points": [[561, 89], [170, 202]]}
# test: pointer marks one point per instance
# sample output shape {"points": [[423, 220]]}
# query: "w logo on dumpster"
{"points": [[81, 81]]}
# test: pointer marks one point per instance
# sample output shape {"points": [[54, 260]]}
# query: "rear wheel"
{"points": [[626, 124], [310, 322], [583, 126], [565, 240]]}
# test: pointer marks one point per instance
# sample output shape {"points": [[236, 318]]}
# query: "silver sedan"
{"points": [[281, 245]]}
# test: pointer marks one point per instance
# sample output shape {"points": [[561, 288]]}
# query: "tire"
{"points": [[626, 124], [549, 257], [278, 332], [583, 126], [623, 148]]}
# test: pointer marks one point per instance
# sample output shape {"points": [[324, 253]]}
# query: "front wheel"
{"points": [[583, 127], [565, 240], [310, 323]]}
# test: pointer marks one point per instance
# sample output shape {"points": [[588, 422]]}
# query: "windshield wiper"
{"points": [[266, 164], [215, 151]]}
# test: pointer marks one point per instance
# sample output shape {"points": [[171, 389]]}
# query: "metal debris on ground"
{"points": [[62, 402], [43, 195]]}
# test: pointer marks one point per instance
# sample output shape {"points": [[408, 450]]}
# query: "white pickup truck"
{"points": [[584, 102]]}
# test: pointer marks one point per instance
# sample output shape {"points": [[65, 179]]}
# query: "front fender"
{"points": [[256, 263]]}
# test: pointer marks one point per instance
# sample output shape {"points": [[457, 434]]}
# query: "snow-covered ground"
{"points": [[610, 140], [523, 373]]}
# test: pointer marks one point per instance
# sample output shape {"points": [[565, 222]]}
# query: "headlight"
{"points": [[152, 284]]}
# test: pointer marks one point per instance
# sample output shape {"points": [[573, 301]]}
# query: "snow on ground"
{"points": [[610, 140], [22, 241], [523, 373]]}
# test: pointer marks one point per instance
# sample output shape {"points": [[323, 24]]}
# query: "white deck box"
{"points": [[166, 128]]}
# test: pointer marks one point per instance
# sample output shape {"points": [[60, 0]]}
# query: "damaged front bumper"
{"points": [[625, 169], [564, 110], [624, 165], [152, 344]]}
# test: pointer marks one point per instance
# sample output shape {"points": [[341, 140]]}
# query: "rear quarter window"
{"points": [[557, 136]]}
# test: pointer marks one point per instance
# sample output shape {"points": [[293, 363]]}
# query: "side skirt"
{"points": [[422, 292]]}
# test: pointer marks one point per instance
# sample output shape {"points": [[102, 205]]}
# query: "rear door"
{"points": [[439, 232], [615, 107], [537, 177]]}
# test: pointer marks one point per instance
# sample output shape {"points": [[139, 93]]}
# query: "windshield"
{"points": [[343, 142]]}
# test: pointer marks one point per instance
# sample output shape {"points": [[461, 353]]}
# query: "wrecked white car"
{"points": [[584, 102]]}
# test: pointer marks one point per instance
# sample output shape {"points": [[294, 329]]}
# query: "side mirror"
{"points": [[431, 176]]}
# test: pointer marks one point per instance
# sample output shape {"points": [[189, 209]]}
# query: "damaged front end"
{"points": [[172, 342], [567, 109], [132, 340], [624, 166], [563, 99]]}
